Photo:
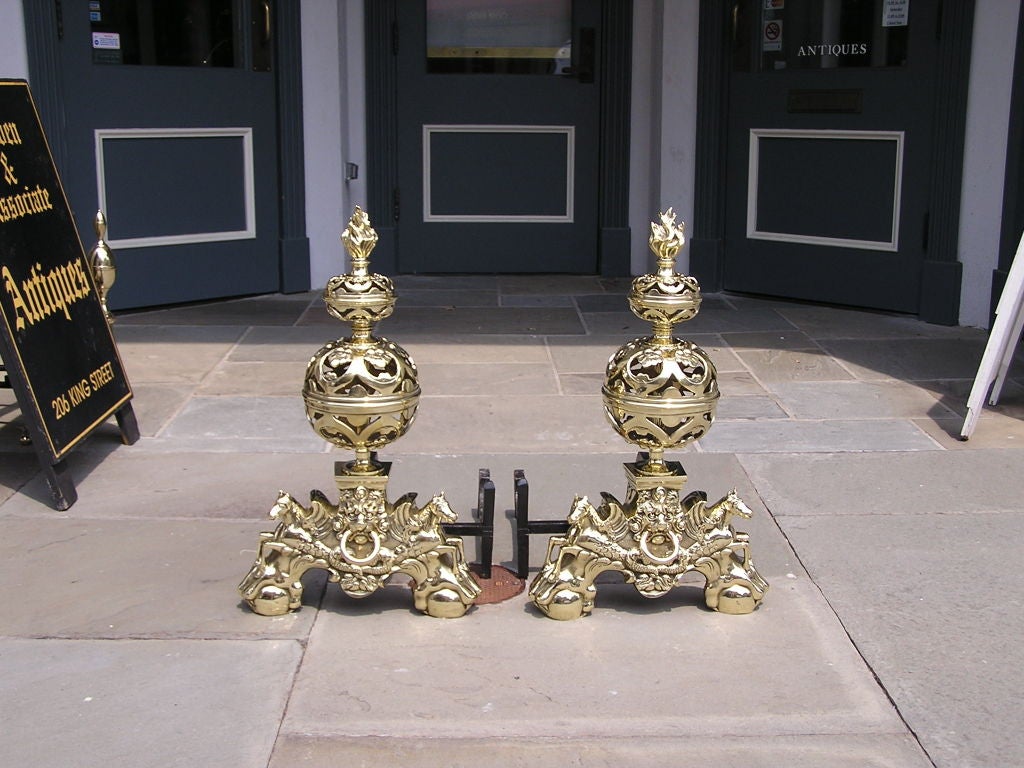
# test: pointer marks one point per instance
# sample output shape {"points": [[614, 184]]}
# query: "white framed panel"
{"points": [[245, 189], [565, 216], [890, 242]]}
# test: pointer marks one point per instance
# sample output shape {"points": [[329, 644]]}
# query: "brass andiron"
{"points": [[361, 393], [660, 392], [102, 261]]}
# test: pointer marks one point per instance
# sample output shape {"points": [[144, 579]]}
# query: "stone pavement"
{"points": [[888, 637]]}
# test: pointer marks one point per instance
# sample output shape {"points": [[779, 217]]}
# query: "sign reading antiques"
{"points": [[56, 344]]}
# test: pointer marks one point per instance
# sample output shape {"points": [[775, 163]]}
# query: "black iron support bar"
{"points": [[484, 525], [526, 527]]}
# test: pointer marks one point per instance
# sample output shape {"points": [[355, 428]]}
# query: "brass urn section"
{"points": [[102, 262], [660, 392], [361, 393]]}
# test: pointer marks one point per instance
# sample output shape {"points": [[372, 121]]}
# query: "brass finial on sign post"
{"points": [[102, 261], [361, 393], [660, 392]]}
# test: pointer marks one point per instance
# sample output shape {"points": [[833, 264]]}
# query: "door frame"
{"points": [[939, 300], [383, 203], [43, 31]]}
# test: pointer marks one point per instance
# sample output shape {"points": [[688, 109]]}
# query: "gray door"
{"points": [[498, 136], [171, 130], [829, 148]]}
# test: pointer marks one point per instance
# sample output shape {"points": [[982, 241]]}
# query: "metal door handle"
{"points": [[266, 21], [584, 51]]}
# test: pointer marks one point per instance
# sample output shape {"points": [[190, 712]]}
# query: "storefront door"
{"points": [[170, 128], [830, 139], [498, 136]]}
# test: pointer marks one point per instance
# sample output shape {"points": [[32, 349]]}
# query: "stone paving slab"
{"points": [[869, 484], [834, 323], [451, 349], [281, 344], [607, 302], [173, 355], [805, 751], [156, 404], [16, 469], [771, 365], [551, 284], [857, 400], [909, 359], [131, 484], [136, 578], [634, 669], [714, 319], [934, 605], [443, 282], [226, 423], [994, 430], [441, 297], [143, 703], [512, 423], [257, 379], [497, 379], [589, 354], [483, 320], [955, 393], [298, 344], [580, 383], [621, 324], [795, 340], [276, 309], [532, 300], [830, 436], [748, 407], [738, 383]]}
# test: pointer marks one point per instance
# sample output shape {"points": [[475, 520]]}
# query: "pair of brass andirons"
{"points": [[361, 393]]}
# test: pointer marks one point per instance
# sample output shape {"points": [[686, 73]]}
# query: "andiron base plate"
{"points": [[653, 539], [361, 541]]}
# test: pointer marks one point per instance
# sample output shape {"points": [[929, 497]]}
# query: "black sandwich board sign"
{"points": [[55, 343]]}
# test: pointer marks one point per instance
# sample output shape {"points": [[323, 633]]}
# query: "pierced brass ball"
{"points": [[660, 395], [361, 396]]}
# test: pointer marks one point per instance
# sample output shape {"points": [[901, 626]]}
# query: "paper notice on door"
{"points": [[895, 13], [771, 37], [107, 41]]}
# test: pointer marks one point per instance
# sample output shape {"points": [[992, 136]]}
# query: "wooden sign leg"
{"points": [[127, 424], [62, 485]]}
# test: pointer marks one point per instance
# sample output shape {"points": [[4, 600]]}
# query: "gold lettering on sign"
{"points": [[43, 295], [25, 203], [9, 134], [28, 201], [82, 390]]}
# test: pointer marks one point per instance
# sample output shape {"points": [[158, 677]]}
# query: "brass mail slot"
{"points": [[847, 101]]}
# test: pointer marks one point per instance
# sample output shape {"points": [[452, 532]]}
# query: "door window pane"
{"points": [[509, 37], [181, 33], [772, 35]]}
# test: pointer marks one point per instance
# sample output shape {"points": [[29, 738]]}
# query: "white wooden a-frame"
{"points": [[1002, 343]]}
